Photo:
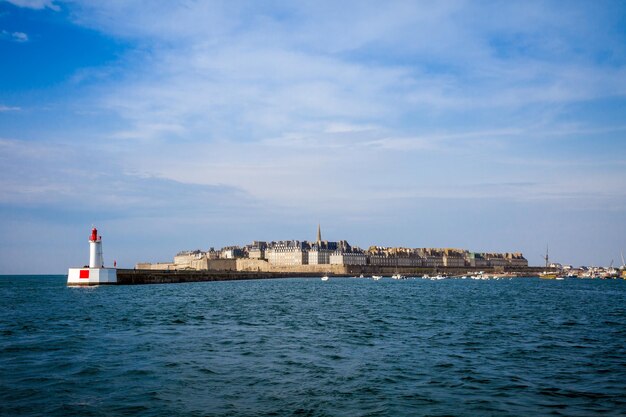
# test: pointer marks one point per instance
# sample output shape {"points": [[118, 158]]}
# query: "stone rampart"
{"points": [[161, 266], [257, 265], [222, 265]]}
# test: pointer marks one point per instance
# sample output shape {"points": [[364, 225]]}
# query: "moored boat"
{"points": [[548, 275]]}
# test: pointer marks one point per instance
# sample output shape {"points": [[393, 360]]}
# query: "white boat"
{"points": [[398, 276], [376, 277], [325, 278]]}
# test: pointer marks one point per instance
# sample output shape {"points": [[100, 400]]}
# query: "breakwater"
{"points": [[142, 276]]}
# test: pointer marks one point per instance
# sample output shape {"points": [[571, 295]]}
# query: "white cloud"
{"points": [[14, 36], [35, 4], [9, 108], [20, 36], [339, 127], [270, 97], [216, 65], [319, 106], [403, 115]]}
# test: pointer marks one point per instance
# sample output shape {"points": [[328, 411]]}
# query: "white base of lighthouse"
{"points": [[91, 276]]}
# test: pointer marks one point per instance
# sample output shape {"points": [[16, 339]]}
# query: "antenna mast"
{"points": [[546, 257]]}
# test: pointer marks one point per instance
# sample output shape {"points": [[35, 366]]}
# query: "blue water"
{"points": [[346, 347]]}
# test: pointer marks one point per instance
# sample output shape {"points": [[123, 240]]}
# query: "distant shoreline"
{"points": [[142, 276]]}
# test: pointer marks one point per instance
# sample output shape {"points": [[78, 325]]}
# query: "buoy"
{"points": [[96, 273]]}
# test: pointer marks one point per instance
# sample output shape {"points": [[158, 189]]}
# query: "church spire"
{"points": [[319, 233]]}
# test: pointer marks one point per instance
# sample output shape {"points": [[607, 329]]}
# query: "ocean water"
{"points": [[303, 347]]}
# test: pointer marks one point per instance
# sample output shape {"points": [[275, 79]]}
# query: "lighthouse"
{"points": [[95, 250], [96, 273]]}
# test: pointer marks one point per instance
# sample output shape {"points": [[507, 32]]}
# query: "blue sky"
{"points": [[171, 125]]}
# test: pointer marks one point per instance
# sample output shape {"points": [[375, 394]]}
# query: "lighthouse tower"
{"points": [[96, 273], [95, 250]]}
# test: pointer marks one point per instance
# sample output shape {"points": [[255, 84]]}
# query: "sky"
{"points": [[179, 125]]}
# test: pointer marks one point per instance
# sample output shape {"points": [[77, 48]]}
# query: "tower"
{"points": [[95, 250], [96, 273], [319, 233], [547, 257]]}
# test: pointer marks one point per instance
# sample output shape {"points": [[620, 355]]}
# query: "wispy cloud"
{"points": [[4, 108], [276, 74], [67, 177], [20, 36], [349, 109], [442, 141], [14, 36], [36, 4], [302, 88]]}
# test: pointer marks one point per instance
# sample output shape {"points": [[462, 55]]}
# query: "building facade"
{"points": [[348, 258]]}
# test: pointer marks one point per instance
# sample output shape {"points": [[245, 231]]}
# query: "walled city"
{"points": [[332, 257]]}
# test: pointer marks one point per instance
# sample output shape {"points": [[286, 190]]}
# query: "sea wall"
{"points": [[147, 276], [259, 265], [153, 276]]}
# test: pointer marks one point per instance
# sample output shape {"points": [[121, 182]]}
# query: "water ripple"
{"points": [[347, 347]]}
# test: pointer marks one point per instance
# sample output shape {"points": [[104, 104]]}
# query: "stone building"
{"points": [[231, 252], [287, 253], [476, 260], [257, 250], [516, 259], [348, 258], [454, 258], [319, 256], [184, 260], [495, 259]]}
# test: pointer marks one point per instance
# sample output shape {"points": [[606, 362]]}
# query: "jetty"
{"points": [[143, 276]]}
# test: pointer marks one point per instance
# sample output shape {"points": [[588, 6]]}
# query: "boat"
{"points": [[376, 277], [548, 275], [397, 274], [479, 275], [325, 278]]}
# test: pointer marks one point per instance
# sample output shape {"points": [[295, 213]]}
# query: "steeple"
{"points": [[319, 233]]}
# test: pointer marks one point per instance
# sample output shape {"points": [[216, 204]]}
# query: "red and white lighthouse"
{"points": [[96, 273], [95, 250]]}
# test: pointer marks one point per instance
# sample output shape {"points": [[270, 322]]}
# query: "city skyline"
{"points": [[493, 126]]}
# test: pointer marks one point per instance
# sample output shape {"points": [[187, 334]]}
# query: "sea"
{"points": [[305, 347]]}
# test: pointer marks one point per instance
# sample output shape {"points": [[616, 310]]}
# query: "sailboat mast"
{"points": [[546, 257]]}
